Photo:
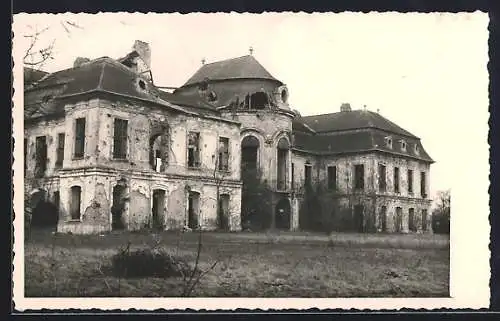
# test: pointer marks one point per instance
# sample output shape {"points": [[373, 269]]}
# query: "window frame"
{"points": [[76, 139], [123, 139]]}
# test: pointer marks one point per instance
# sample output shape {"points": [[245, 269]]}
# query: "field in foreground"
{"points": [[284, 264]]}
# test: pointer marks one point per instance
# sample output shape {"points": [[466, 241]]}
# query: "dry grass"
{"points": [[250, 265]]}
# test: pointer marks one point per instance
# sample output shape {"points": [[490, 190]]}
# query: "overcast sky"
{"points": [[426, 72]]}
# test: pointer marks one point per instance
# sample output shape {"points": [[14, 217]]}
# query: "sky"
{"points": [[425, 72]]}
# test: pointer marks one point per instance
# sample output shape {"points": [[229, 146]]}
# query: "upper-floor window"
{"points": [[423, 189], [382, 181], [223, 162], [40, 156], [194, 149], [410, 181], [388, 141], [60, 149], [120, 138], [396, 179], [332, 177], [79, 137], [359, 176], [307, 174]]}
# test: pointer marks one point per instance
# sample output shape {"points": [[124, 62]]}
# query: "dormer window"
{"points": [[388, 141], [417, 149], [403, 145]]}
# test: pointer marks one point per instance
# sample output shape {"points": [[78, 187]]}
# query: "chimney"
{"points": [[142, 48], [345, 107], [80, 61]]}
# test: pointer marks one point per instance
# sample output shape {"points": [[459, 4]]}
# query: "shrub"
{"points": [[154, 262]]}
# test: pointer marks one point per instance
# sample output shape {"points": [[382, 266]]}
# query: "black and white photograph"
{"points": [[332, 160]]}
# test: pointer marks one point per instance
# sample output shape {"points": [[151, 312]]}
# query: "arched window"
{"points": [[249, 153], [76, 196], [282, 161]]}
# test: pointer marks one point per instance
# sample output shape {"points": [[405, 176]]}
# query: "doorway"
{"points": [[358, 218], [223, 212], [282, 214], [118, 208], [193, 210], [399, 219], [158, 210]]}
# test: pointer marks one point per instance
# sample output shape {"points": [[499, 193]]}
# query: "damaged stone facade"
{"points": [[122, 154]]}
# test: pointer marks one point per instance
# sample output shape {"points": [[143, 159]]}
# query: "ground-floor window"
{"points": [[76, 194], [424, 220], [398, 221], [411, 220]]}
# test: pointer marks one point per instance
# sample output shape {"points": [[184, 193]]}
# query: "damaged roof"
{"points": [[33, 75], [351, 132], [355, 119], [100, 75], [245, 67]]}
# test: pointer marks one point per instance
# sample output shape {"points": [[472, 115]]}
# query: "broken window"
{"points": [[307, 174], [332, 177], [60, 149], [158, 149], [41, 156], [411, 220], [120, 138], [398, 222], [249, 153], [223, 154], [79, 137], [424, 220], [56, 200], [359, 176], [383, 218], [76, 194], [194, 149], [382, 181], [410, 181], [422, 185], [258, 100], [282, 163], [396, 179]]}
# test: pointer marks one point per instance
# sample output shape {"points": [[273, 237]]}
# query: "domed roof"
{"points": [[245, 67]]}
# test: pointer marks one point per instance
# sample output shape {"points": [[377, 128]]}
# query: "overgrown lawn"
{"points": [[248, 265]]}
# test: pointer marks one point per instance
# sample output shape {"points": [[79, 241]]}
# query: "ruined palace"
{"points": [[106, 148]]}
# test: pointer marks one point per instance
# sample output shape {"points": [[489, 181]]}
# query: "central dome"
{"points": [[241, 83], [246, 67]]}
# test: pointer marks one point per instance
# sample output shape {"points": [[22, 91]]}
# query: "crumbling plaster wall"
{"points": [[373, 198], [139, 129], [50, 129], [268, 127], [90, 111], [208, 214], [95, 215]]}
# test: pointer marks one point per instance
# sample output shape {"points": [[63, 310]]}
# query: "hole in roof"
{"points": [[212, 96], [142, 84]]}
